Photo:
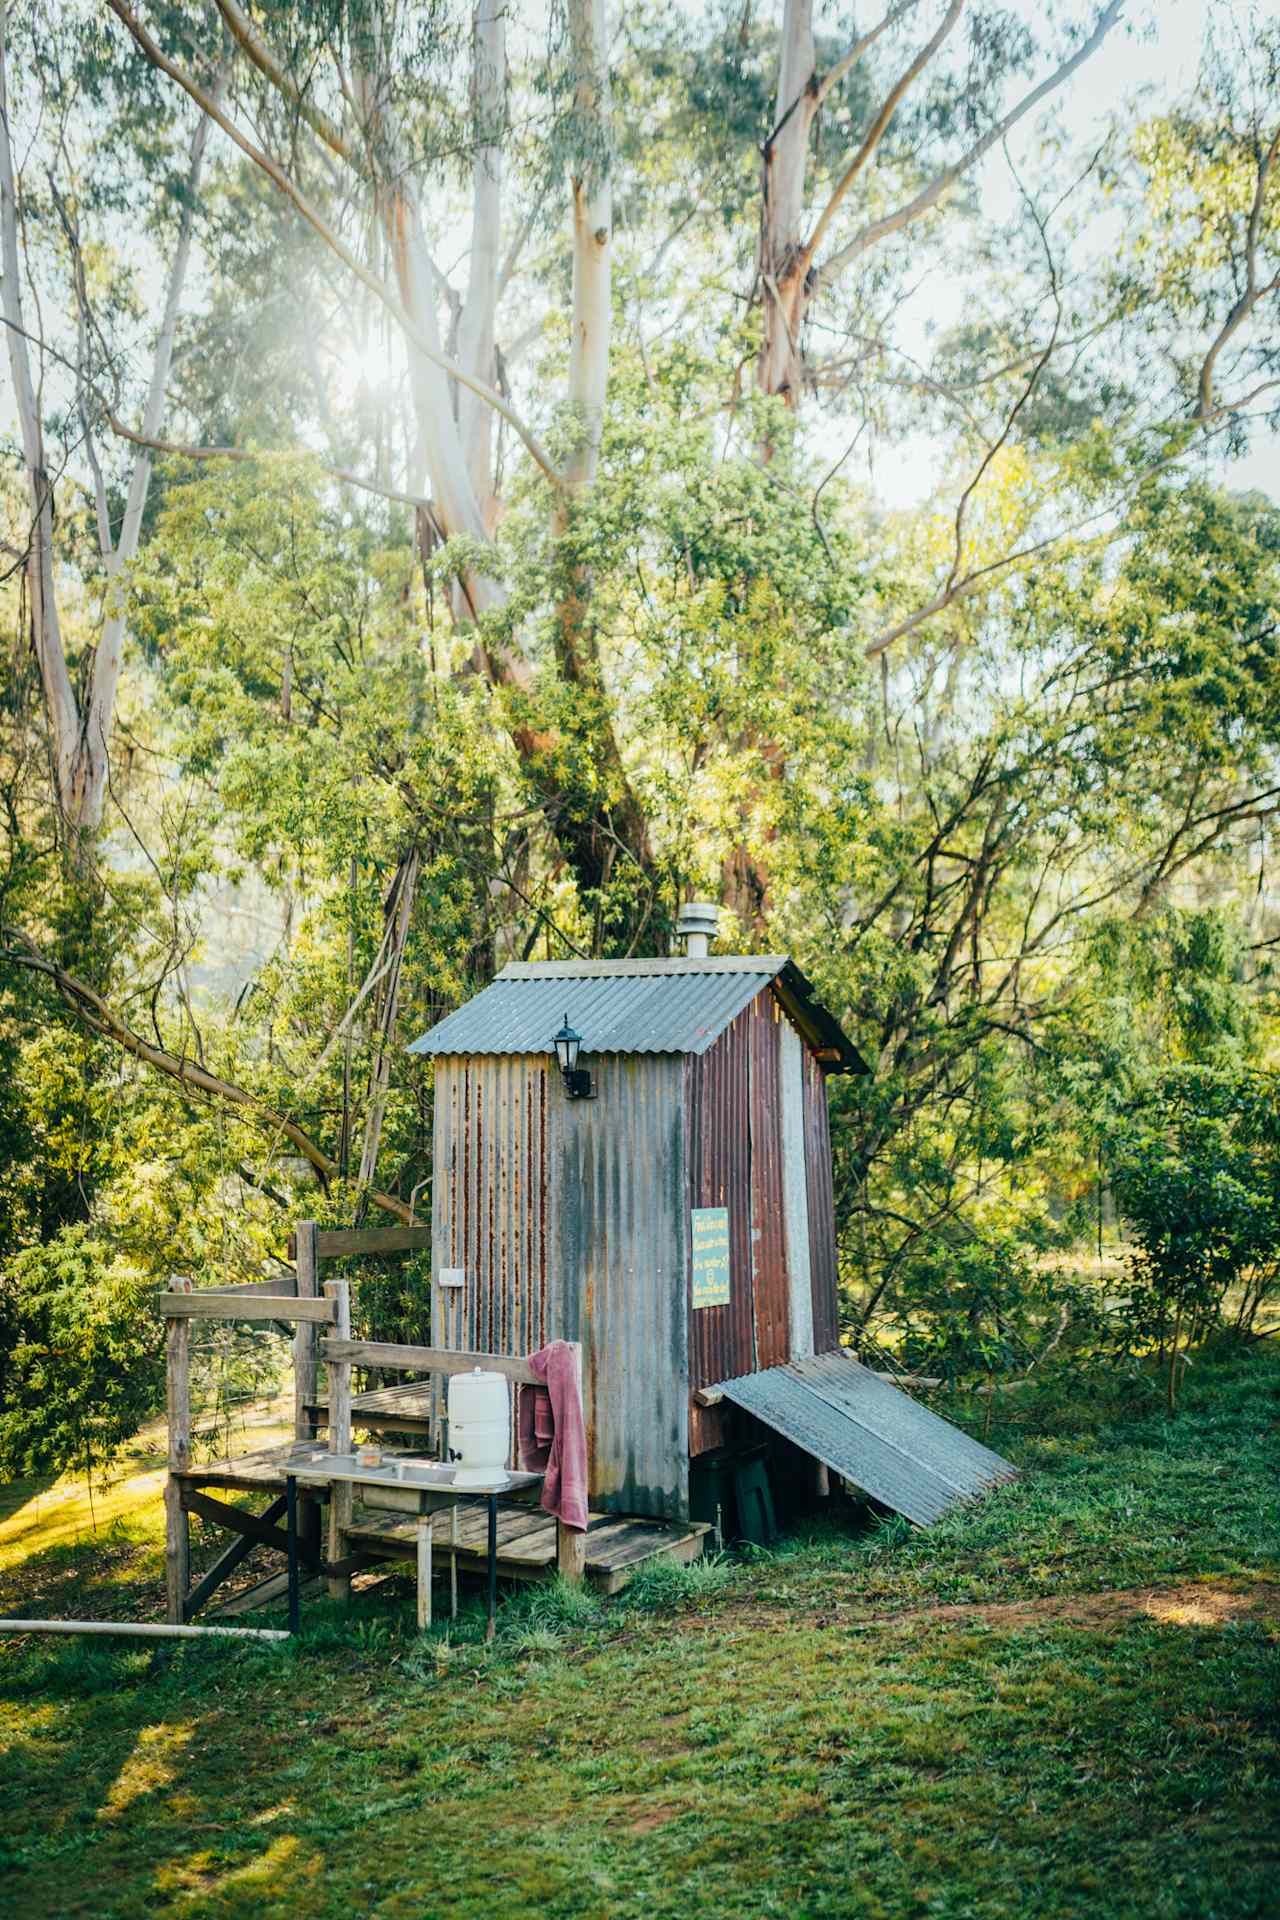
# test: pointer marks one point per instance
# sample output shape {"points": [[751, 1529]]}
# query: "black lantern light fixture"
{"points": [[577, 1081]]}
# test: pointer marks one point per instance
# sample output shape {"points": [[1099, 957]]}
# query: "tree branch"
{"points": [[929, 196], [877, 130], [834, 75], [320, 226], [1252, 294], [242, 32], [93, 1012]]}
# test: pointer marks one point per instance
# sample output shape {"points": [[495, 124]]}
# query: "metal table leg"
{"points": [[493, 1566], [291, 1509]]}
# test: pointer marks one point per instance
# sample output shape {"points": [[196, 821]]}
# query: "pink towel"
{"points": [[553, 1434]]}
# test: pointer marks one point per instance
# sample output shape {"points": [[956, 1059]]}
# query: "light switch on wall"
{"points": [[451, 1276]]}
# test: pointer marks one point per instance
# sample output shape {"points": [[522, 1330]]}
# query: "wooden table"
{"points": [[416, 1486]]}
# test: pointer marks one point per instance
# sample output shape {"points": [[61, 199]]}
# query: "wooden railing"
{"points": [[309, 1312]]}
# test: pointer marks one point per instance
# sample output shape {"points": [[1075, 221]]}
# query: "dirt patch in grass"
{"points": [[1190, 1603], [1193, 1603]]}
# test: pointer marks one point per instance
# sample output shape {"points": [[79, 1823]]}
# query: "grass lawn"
{"points": [[1063, 1702]]}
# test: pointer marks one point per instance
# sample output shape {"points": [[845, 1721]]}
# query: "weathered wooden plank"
{"points": [[382, 1353], [261, 1531], [401, 1543], [338, 1294], [226, 1563], [306, 1366], [636, 1543], [424, 1572], [683, 1548], [571, 1553], [334, 1242], [248, 1471], [211, 1303], [613, 1548], [177, 1532], [264, 1594], [283, 1288]]}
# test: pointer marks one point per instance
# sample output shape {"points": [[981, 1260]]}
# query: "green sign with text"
{"points": [[710, 1256]]}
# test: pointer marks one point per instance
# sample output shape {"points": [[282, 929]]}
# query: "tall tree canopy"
{"points": [[459, 502]]}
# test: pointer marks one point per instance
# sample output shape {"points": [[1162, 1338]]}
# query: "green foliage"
{"points": [[81, 1356], [978, 1714], [1197, 1177]]}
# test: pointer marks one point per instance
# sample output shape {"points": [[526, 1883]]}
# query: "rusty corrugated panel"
{"points": [[718, 1109], [633, 1006], [493, 1209], [874, 1435], [822, 1221], [768, 1211]]}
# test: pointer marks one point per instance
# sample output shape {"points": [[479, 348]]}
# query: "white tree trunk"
{"points": [[82, 742], [46, 635], [592, 235], [786, 159], [476, 329], [95, 747], [455, 498]]}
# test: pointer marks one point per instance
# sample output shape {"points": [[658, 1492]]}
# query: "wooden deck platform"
{"points": [[616, 1545]]}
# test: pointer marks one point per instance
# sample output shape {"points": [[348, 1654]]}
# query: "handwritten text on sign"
{"points": [[710, 1256]]}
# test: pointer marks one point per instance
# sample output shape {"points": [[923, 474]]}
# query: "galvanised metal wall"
{"points": [[822, 1219], [568, 1218]]}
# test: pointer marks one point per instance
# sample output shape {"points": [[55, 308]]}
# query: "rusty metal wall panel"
{"points": [[493, 1206], [718, 1126], [764, 1020], [622, 1235], [795, 1188], [822, 1220]]}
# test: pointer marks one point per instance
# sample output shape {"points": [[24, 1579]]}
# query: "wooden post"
{"points": [[305, 1375], [177, 1528], [571, 1553], [340, 1492], [304, 1339], [424, 1572]]}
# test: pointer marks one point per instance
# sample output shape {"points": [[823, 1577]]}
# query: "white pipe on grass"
{"points": [[141, 1629]]}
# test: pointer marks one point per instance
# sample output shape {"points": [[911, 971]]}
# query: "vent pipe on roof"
{"points": [[697, 925]]}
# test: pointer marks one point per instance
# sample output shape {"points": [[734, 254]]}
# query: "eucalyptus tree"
{"points": [[638, 281], [68, 318]]}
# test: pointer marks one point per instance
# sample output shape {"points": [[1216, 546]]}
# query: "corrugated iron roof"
{"points": [[872, 1433], [632, 1006]]}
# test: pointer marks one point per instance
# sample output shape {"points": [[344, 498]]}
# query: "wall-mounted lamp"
{"points": [[577, 1081]]}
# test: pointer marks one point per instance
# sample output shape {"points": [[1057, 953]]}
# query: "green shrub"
{"points": [[81, 1356]]}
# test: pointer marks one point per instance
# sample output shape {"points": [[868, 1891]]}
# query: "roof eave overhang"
{"points": [[831, 1046]]}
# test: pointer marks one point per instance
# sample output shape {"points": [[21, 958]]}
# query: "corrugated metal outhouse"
{"points": [[604, 1219]]}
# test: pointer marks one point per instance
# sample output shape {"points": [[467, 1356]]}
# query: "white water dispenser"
{"points": [[479, 1428]]}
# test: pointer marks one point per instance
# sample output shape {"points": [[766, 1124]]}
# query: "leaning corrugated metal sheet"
{"points": [[874, 1435]]}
